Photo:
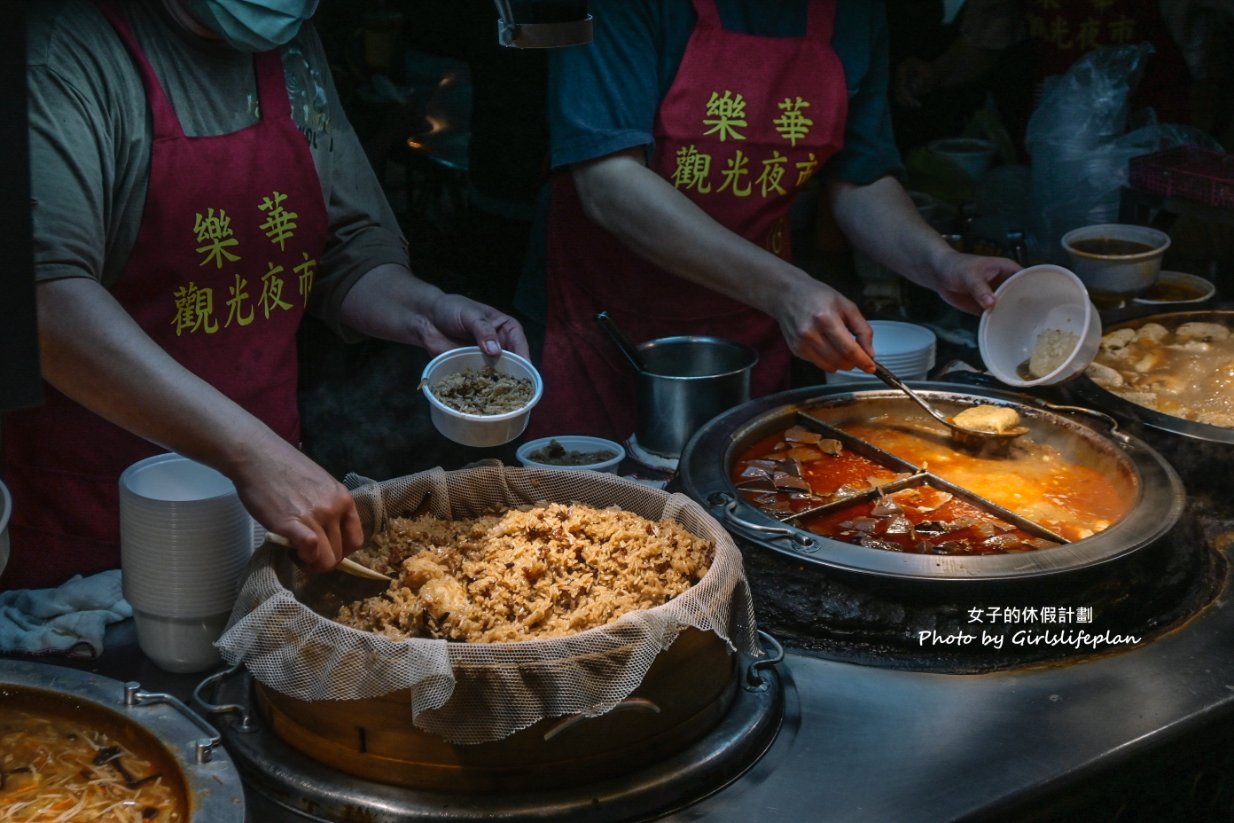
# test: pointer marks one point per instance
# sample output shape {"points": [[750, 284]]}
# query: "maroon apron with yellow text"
{"points": [[219, 277], [747, 121]]}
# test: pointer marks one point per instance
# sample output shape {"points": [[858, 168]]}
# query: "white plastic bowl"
{"points": [[479, 429], [1030, 302], [906, 349], [185, 537], [573, 443], [180, 644], [893, 339]]}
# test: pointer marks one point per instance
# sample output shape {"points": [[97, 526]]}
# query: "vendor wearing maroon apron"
{"points": [[682, 136], [193, 346]]}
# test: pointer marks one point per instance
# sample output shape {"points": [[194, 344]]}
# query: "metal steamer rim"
{"points": [[283, 780], [711, 452]]}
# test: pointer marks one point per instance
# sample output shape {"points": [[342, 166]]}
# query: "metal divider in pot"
{"points": [[1154, 490]]}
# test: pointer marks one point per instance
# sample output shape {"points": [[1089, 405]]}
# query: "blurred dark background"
{"points": [[454, 125]]}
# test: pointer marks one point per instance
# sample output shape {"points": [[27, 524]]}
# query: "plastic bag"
{"points": [[1080, 148], [1088, 104]]}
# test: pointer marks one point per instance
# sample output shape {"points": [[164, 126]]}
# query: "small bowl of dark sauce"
{"points": [[1175, 288], [572, 451], [1116, 261]]}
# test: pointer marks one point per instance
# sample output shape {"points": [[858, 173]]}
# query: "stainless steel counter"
{"points": [[865, 743], [1147, 729]]}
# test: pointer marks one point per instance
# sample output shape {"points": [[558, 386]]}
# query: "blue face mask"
{"points": [[254, 25]]}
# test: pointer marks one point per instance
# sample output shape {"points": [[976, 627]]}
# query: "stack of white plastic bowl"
{"points": [[185, 540], [906, 349]]}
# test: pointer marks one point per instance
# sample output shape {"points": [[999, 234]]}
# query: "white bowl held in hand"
{"points": [[1030, 303], [479, 429]]}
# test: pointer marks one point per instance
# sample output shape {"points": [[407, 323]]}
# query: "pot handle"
{"points": [[800, 541], [246, 720], [755, 681], [134, 696], [1100, 415]]}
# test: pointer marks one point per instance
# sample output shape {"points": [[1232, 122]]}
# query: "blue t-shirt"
{"points": [[603, 96]]}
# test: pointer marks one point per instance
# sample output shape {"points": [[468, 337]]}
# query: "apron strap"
{"points": [[271, 85], [820, 20], [708, 15], [166, 123]]}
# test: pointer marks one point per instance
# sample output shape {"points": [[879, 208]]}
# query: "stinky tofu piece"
{"points": [[987, 418], [1051, 350], [1117, 340], [1152, 333], [1205, 332], [1104, 376]]}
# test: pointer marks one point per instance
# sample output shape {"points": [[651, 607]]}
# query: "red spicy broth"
{"points": [[954, 528], [799, 469]]}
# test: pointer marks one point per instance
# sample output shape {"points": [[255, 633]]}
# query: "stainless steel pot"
{"points": [[1085, 390], [183, 739], [687, 381], [1149, 480]]}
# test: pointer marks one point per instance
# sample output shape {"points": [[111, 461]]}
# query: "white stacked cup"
{"points": [[185, 540], [907, 350]]}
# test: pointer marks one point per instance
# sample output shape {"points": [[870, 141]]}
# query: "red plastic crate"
{"points": [[1186, 171]]}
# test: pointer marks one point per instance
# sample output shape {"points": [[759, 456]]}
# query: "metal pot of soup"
{"points": [[72, 741], [865, 485], [1169, 378], [1170, 371]]}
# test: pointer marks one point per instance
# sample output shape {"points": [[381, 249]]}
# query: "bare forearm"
{"points": [[391, 303], [881, 221], [94, 353], [662, 225], [657, 222]]}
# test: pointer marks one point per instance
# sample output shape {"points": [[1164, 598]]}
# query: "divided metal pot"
{"points": [[1156, 506]]}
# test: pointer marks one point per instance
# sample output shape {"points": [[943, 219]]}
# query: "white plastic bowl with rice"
{"points": [[1042, 330], [479, 400]]}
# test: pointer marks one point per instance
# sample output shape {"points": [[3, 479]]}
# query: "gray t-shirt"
{"points": [[90, 140]]}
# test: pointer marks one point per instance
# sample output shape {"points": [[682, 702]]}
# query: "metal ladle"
{"points": [[970, 438], [623, 342]]}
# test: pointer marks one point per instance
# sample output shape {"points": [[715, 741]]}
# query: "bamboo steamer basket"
{"points": [[686, 692]]}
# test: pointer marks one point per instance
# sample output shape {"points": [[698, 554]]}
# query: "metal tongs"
{"points": [[969, 438]]}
